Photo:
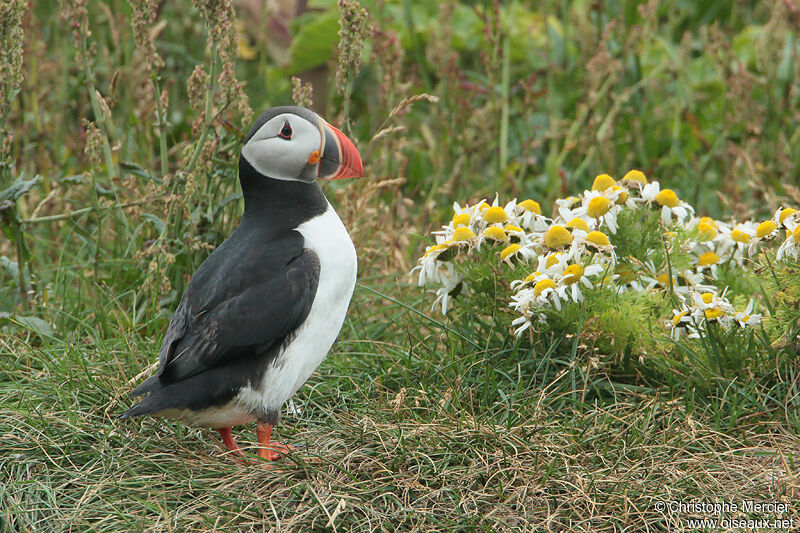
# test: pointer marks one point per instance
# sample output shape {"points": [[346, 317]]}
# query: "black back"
{"points": [[243, 303]]}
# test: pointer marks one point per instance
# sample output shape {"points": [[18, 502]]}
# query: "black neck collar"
{"points": [[278, 203]]}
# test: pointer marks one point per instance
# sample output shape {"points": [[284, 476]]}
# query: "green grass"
{"points": [[415, 422], [419, 434]]}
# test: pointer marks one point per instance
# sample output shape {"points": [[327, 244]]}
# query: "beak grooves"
{"points": [[341, 158]]}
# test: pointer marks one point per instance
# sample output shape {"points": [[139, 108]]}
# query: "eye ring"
{"points": [[286, 131]]}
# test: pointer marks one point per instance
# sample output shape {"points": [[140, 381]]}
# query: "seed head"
{"points": [[353, 31]]}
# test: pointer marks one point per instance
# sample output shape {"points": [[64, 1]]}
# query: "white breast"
{"points": [[328, 238]]}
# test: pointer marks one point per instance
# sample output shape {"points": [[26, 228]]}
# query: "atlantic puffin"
{"points": [[262, 311]]}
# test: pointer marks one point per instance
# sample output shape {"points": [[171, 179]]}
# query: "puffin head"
{"points": [[292, 143]]}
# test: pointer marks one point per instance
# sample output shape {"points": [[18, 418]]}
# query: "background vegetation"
{"points": [[119, 169]]}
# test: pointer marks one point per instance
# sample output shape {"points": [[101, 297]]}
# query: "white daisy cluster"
{"points": [[699, 308], [574, 251]]}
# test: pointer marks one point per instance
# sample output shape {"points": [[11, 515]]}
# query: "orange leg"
{"points": [[227, 439], [269, 450]]}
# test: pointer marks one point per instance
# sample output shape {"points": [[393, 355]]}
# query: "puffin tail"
{"points": [[148, 385], [144, 407]]}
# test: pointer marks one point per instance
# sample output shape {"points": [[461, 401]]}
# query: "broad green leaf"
{"points": [[34, 324], [313, 44]]}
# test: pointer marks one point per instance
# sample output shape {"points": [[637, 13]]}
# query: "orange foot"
{"points": [[227, 439], [270, 450], [275, 451]]}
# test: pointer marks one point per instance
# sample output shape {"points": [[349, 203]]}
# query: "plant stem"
{"points": [[98, 114], [207, 118], [23, 289], [346, 108], [162, 128], [82, 211]]}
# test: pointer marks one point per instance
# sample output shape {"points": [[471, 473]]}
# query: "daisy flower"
{"points": [[791, 246], [734, 242], [787, 217], [517, 234], [602, 207], [712, 307], [669, 202], [553, 264], [492, 235], [451, 283], [603, 182], [765, 232], [530, 214], [708, 261], [575, 275], [680, 322], [595, 241], [532, 301], [556, 237], [515, 250], [747, 317], [634, 178]]}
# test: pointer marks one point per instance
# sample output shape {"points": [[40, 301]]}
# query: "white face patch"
{"points": [[279, 157]]}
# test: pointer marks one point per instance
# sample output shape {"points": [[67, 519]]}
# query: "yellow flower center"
{"points": [[667, 198], [796, 235], [706, 231], [531, 206], [578, 223], [512, 227], [706, 220], [530, 277], [707, 259], [765, 228], [462, 234], [740, 236], [676, 319], [508, 251], [707, 297], [543, 285], [603, 182], [461, 220], [598, 206], [714, 313], [557, 237], [598, 238], [436, 248], [573, 274], [495, 233], [786, 213], [622, 197], [494, 215], [663, 279], [552, 259], [635, 175], [483, 206]]}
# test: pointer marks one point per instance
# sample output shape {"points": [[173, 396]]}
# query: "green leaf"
{"points": [[30, 323], [17, 189], [313, 44], [9, 266], [138, 170]]}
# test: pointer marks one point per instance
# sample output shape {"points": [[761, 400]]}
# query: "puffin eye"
{"points": [[286, 131]]}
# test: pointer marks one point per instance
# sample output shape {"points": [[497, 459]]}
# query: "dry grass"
{"points": [[597, 470], [376, 453]]}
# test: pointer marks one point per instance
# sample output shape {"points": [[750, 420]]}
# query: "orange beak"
{"points": [[340, 159]]}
